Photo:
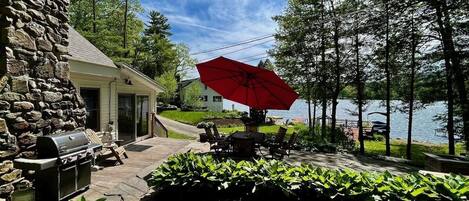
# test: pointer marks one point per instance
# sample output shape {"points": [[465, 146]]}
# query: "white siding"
{"points": [[101, 83], [110, 84], [210, 93]]}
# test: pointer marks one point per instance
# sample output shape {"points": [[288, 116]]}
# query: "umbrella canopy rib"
{"points": [[273, 95]]}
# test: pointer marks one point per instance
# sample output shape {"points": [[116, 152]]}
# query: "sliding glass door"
{"points": [[126, 117], [133, 117], [143, 114]]}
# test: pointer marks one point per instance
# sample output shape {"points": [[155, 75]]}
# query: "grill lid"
{"points": [[58, 145]]}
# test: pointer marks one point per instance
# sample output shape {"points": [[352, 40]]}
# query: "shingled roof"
{"points": [[82, 50]]}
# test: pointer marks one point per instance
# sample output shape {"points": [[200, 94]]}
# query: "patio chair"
{"points": [[278, 139], [216, 144], [285, 149], [110, 149], [217, 134]]}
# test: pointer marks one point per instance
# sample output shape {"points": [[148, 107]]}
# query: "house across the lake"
{"points": [[113, 93], [211, 99]]}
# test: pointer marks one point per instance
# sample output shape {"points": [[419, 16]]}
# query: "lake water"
{"points": [[423, 127]]}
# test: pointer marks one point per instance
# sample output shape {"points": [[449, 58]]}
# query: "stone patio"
{"points": [[125, 182], [349, 161]]}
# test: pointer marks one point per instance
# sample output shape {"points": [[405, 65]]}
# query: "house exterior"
{"points": [[211, 99], [115, 94]]}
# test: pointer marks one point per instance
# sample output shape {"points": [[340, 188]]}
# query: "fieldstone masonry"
{"points": [[36, 94]]}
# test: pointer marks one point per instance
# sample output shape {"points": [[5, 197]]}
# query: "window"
{"points": [[205, 87], [91, 98], [216, 98], [204, 98]]}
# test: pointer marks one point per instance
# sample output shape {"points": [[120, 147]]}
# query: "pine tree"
{"points": [[158, 24]]}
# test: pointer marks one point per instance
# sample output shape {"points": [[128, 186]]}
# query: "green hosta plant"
{"points": [[193, 176]]}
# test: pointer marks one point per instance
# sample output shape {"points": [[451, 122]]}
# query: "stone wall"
{"points": [[36, 94]]}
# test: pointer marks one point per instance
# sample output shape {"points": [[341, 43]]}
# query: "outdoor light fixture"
{"points": [[128, 82]]}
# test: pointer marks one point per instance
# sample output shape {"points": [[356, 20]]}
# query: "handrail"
{"points": [[157, 127]]}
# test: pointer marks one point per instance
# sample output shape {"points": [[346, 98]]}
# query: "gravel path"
{"points": [[180, 127]]}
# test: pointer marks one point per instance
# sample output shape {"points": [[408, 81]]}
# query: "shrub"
{"points": [[378, 137], [202, 177], [205, 125], [317, 142]]}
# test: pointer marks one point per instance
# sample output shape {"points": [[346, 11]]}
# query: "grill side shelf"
{"points": [[35, 164]]}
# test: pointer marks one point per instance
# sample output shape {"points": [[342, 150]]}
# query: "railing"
{"points": [[157, 128], [345, 123]]}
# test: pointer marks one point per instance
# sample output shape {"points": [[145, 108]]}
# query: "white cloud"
{"points": [[209, 24]]}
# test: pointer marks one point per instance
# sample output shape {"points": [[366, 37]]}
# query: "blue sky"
{"points": [[208, 24]]}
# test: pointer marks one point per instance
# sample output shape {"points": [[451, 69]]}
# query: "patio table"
{"points": [[243, 144]]}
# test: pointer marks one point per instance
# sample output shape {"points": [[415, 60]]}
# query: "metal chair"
{"points": [[285, 149], [217, 144]]}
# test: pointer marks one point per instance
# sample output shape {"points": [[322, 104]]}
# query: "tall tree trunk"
{"points": [[324, 78], [337, 75], [125, 22], [411, 95], [388, 84], [359, 85], [314, 116], [449, 51], [94, 16], [323, 117], [310, 125], [450, 99]]}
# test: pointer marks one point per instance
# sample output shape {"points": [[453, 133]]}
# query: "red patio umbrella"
{"points": [[255, 87]]}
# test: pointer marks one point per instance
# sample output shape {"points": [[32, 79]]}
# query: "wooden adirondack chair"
{"points": [[110, 149]]}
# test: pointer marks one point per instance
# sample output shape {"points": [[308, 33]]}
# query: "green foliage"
{"points": [[267, 64], [321, 143], [155, 55], [191, 96], [195, 117], [168, 81], [158, 25], [109, 37], [193, 177], [378, 137], [184, 61], [205, 124]]}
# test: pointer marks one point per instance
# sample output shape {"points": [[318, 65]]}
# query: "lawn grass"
{"points": [[179, 136], [398, 149], [193, 118]]}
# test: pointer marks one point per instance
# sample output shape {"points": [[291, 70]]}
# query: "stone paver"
{"points": [[344, 160], [126, 181], [180, 127]]}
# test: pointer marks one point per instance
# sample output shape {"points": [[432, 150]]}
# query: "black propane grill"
{"points": [[63, 165]]}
